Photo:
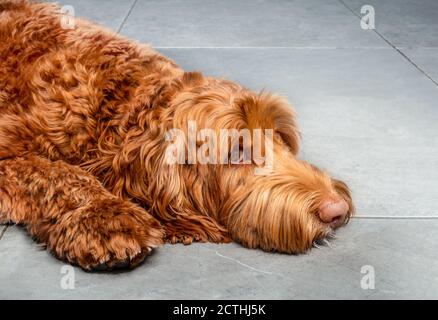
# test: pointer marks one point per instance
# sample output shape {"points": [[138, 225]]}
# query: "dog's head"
{"points": [[231, 154], [239, 165]]}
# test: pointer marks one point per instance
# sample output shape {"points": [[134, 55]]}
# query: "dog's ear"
{"points": [[268, 111]]}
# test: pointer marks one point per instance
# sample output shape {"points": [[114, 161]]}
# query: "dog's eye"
{"points": [[245, 157], [240, 158]]}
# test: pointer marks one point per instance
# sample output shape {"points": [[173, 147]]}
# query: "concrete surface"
{"points": [[367, 102]]}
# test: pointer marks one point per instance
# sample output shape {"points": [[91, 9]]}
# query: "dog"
{"points": [[85, 116]]}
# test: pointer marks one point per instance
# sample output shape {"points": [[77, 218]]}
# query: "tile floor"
{"points": [[367, 102]]}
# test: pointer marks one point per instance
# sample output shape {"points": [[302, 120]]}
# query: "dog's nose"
{"points": [[333, 212]]}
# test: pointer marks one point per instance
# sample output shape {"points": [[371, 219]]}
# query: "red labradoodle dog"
{"points": [[84, 114]]}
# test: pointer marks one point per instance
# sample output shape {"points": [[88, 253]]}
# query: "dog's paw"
{"points": [[185, 238], [105, 235], [195, 228]]}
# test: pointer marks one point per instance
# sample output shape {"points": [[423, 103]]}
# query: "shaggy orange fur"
{"points": [[83, 118]]}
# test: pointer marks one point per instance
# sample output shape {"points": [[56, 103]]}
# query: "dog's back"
{"points": [[61, 85]]}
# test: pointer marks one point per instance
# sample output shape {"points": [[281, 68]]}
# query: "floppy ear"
{"points": [[267, 111]]}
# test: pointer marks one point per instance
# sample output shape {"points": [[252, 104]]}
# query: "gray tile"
{"points": [[387, 177], [403, 258], [246, 23], [426, 59], [406, 23], [367, 116], [109, 13]]}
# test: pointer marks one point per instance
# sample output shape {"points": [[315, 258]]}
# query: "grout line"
{"points": [[396, 217], [270, 47], [393, 46], [126, 17], [415, 48], [3, 231]]}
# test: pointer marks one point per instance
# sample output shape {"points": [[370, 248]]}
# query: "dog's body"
{"points": [[83, 120]]}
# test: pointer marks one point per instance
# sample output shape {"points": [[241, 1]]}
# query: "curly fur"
{"points": [[83, 117]]}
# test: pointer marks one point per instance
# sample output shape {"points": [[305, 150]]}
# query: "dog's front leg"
{"points": [[69, 211]]}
